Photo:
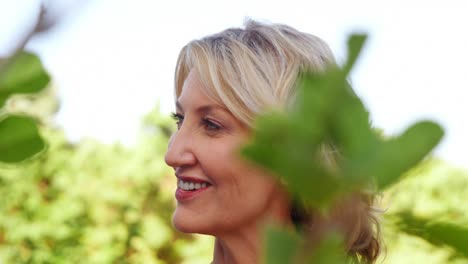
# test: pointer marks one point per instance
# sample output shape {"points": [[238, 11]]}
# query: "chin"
{"points": [[188, 224]]}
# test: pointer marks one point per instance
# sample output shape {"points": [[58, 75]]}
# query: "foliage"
{"points": [[328, 113], [426, 220], [79, 203], [436, 232], [94, 203], [19, 136], [68, 204], [23, 73]]}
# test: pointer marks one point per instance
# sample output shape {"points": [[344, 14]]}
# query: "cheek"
{"points": [[242, 192], [251, 191], [220, 162], [247, 182], [255, 188]]}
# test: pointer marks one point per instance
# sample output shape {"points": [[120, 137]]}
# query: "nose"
{"points": [[180, 150]]}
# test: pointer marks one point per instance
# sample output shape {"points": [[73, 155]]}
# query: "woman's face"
{"points": [[217, 190]]}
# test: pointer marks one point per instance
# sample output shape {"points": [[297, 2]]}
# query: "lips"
{"points": [[189, 188]]}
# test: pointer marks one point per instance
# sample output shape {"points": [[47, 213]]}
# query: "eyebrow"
{"points": [[204, 108]]}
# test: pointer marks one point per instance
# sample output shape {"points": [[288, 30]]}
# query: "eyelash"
{"points": [[178, 119], [207, 124]]}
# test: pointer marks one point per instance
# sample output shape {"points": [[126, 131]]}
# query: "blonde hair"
{"points": [[254, 69]]}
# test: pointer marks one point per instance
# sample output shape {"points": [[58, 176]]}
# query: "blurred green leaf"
{"points": [[438, 233], [282, 246], [355, 45], [329, 113], [326, 147], [329, 251], [397, 155], [23, 73], [19, 139]]}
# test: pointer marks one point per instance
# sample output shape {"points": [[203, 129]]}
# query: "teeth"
{"points": [[189, 186]]}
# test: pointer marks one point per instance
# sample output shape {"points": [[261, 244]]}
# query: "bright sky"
{"points": [[112, 60]]}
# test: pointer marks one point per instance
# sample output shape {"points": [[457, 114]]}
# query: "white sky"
{"points": [[112, 60]]}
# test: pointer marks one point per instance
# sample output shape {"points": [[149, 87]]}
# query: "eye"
{"points": [[210, 125], [178, 119]]}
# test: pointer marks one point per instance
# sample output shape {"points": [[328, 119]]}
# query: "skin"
{"points": [[241, 198]]}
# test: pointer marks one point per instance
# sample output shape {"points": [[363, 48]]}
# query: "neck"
{"points": [[244, 245]]}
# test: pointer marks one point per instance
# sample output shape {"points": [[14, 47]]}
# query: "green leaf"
{"points": [[399, 154], [331, 250], [19, 139], [292, 157], [438, 233], [355, 44], [281, 246], [328, 112], [23, 73]]}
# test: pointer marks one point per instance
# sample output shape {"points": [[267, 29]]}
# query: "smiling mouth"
{"points": [[189, 189], [192, 186]]}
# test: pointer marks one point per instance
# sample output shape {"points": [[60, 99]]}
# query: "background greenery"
{"points": [[88, 202], [94, 203]]}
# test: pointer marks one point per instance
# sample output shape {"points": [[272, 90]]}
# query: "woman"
{"points": [[222, 83]]}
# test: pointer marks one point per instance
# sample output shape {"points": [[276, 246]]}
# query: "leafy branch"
{"points": [[326, 148], [22, 73]]}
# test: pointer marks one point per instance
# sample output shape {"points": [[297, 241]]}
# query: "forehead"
{"points": [[194, 94]]}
